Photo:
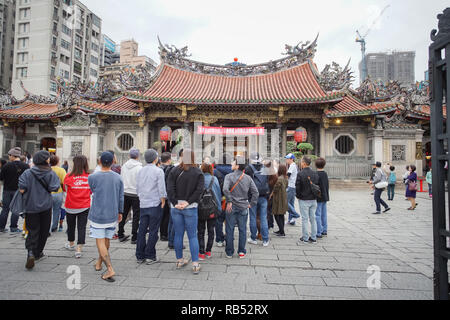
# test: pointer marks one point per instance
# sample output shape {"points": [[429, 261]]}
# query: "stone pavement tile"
{"points": [[290, 252], [377, 256], [95, 290], [349, 282], [310, 281], [10, 285], [296, 272], [331, 253], [36, 276], [153, 283], [235, 296], [44, 288], [20, 296], [408, 281], [209, 285], [69, 298], [355, 274], [287, 257], [95, 278], [391, 294], [251, 278], [222, 276], [261, 256], [233, 262], [267, 271], [14, 257], [174, 294], [323, 291], [270, 288], [212, 266], [280, 264], [241, 270], [185, 273], [361, 266], [283, 297]]}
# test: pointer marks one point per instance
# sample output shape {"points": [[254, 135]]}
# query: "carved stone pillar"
{"points": [[59, 144], [93, 147]]}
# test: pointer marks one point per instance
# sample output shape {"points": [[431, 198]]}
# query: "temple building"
{"points": [[234, 108]]}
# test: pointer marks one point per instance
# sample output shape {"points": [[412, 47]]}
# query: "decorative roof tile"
{"points": [[350, 106], [295, 85]]}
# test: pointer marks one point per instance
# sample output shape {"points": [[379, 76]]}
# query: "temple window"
{"points": [[125, 142], [345, 145]]}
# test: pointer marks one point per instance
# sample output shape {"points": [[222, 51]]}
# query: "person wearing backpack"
{"points": [[261, 179], [36, 185], [165, 232], [208, 210], [392, 182], [306, 187]]}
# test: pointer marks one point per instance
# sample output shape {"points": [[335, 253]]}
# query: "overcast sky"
{"points": [[256, 31]]}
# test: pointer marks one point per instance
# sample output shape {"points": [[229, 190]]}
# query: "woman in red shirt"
{"points": [[78, 203]]}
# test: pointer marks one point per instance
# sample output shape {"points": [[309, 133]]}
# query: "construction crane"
{"points": [[362, 40]]}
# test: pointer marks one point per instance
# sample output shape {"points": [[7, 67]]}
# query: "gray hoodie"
{"points": [[36, 198]]}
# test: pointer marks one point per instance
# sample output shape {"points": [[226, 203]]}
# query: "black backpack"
{"points": [[207, 206]]}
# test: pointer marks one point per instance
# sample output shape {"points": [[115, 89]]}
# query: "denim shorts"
{"points": [[97, 233]]}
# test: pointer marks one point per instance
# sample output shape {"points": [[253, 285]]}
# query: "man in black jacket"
{"points": [[10, 174], [166, 165], [307, 200]]}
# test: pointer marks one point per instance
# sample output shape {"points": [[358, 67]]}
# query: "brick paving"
{"points": [[399, 242]]}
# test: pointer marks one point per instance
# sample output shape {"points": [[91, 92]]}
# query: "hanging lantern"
{"points": [[165, 133], [300, 135]]}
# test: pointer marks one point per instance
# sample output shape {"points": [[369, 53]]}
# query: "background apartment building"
{"points": [[399, 66], [7, 27], [108, 50], [129, 56], [54, 39]]}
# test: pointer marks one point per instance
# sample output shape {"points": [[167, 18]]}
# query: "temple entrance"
{"points": [[48, 143]]}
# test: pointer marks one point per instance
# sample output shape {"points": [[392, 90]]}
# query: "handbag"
{"points": [[16, 205], [382, 185], [412, 186]]}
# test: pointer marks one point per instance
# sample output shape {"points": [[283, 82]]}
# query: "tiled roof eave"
{"points": [[36, 116]]}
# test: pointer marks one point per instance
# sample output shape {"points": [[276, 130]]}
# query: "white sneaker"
{"points": [[220, 244], [69, 247], [251, 241], [266, 244]]}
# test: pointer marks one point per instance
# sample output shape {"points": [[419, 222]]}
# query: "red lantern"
{"points": [[300, 135], [236, 59], [165, 134]]}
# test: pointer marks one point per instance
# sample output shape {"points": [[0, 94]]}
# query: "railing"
{"points": [[348, 169]]}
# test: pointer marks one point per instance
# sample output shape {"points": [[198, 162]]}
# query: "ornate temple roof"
{"points": [[31, 110], [122, 106], [296, 85], [351, 107]]}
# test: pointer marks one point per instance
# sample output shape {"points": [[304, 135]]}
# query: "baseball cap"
{"points": [[106, 159], [290, 156], [255, 157]]}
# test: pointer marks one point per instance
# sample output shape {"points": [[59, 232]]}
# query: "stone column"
{"points": [[93, 148], [323, 141], [378, 135], [419, 162], [145, 137], [59, 144]]}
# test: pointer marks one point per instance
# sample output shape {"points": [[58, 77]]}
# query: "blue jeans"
{"points": [[240, 217], [7, 198], [391, 191], [150, 220], [308, 210], [171, 231], [430, 189], [321, 218], [57, 203], [219, 227], [291, 204], [261, 210], [378, 201], [185, 220]]}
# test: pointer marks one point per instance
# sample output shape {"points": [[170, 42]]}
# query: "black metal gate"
{"points": [[440, 86]]}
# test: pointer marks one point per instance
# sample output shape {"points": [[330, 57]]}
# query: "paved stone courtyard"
{"points": [[399, 243]]}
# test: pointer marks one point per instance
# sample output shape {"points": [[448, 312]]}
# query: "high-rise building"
{"points": [[54, 39], [108, 49], [7, 27], [125, 57], [399, 66]]}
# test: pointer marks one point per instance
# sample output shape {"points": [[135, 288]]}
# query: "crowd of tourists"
{"points": [[168, 200], [386, 178]]}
